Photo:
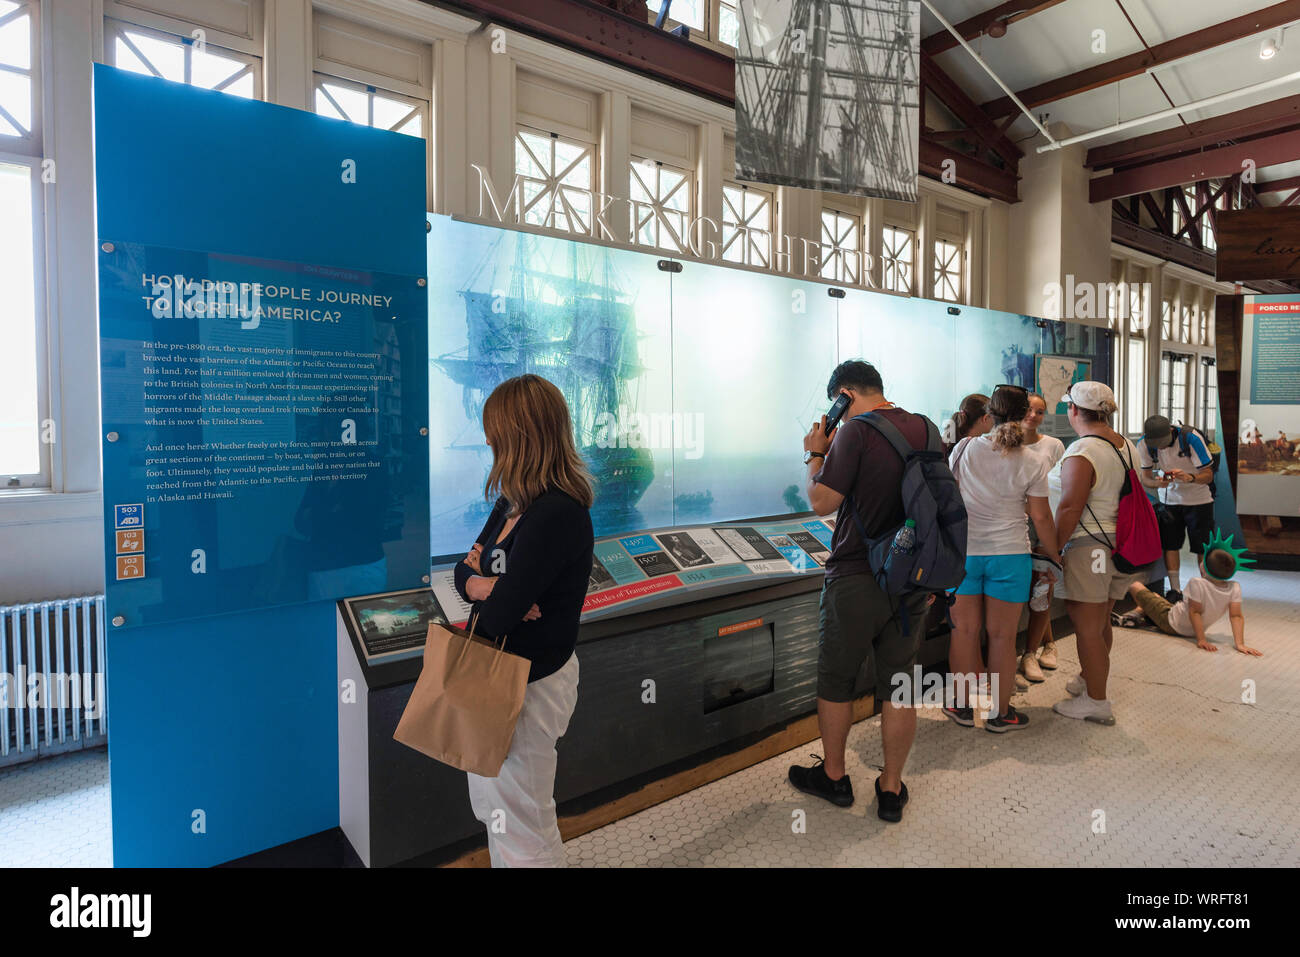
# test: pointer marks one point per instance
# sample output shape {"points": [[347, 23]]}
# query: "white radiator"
{"points": [[52, 687]]}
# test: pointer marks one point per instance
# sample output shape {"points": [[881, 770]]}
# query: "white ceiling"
{"points": [[1058, 42]]}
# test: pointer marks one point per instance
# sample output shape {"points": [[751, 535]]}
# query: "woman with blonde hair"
{"points": [[1004, 487], [527, 581]]}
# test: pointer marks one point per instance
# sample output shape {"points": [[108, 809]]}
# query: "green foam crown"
{"points": [[1218, 540]]}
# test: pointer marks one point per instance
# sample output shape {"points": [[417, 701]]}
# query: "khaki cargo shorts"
{"points": [[1090, 574]]}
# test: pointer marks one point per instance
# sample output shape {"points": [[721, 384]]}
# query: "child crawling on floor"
{"points": [[1206, 599]]}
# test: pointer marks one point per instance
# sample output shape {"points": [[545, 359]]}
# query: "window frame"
{"points": [[114, 28], [1169, 360], [659, 213], [1135, 355], [835, 265], [31, 143], [554, 182], [1209, 404], [940, 273], [371, 90], [43, 477], [743, 228], [710, 33], [891, 265]]}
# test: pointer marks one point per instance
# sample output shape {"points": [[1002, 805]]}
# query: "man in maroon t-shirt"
{"points": [[857, 467]]}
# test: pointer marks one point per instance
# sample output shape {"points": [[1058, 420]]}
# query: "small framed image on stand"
{"points": [[393, 625]]}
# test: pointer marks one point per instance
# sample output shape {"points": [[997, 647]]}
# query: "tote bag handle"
{"points": [[473, 623]]}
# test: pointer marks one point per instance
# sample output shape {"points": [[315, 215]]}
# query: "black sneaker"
{"points": [[1173, 597], [814, 781], [962, 716], [889, 806], [1013, 720]]}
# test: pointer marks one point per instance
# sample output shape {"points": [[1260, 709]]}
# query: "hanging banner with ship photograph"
{"points": [[827, 95]]}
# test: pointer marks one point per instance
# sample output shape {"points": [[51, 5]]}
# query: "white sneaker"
{"points": [[1076, 685], [1029, 666], [1021, 683], [1086, 709], [1048, 657]]}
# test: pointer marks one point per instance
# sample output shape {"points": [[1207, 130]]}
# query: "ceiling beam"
{"points": [[1158, 244], [1238, 28], [1211, 164], [626, 41], [934, 79], [972, 174], [1264, 118], [1157, 214], [970, 28], [1277, 185]]}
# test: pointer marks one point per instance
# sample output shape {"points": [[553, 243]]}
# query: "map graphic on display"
{"points": [[1055, 375]]}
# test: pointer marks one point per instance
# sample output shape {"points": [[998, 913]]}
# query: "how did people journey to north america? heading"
{"points": [[178, 296]]}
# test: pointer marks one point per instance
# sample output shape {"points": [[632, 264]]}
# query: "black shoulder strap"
{"points": [[934, 441], [890, 432]]}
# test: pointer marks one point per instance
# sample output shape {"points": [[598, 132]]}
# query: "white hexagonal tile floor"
{"points": [[1189, 774]]}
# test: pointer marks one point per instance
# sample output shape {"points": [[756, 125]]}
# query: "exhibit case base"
{"points": [[668, 699]]}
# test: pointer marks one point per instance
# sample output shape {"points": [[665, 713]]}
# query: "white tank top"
{"points": [[1109, 472]]}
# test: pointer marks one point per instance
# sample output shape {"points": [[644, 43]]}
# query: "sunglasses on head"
{"points": [[1008, 385]]}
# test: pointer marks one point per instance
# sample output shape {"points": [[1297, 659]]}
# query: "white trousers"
{"points": [[518, 806]]}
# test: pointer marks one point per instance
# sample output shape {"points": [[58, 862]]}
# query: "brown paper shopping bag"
{"points": [[466, 701]]}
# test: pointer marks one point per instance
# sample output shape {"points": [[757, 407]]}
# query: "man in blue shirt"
{"points": [[1176, 462]]}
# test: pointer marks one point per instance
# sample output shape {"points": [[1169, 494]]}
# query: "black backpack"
{"points": [[932, 500]]}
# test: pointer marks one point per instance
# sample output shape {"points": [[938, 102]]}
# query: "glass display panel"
{"points": [[911, 344], [751, 357], [690, 390]]}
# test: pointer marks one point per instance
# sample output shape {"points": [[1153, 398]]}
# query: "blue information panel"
{"points": [[262, 432], [1275, 351]]}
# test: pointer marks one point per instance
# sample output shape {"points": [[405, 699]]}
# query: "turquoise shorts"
{"points": [[1005, 577]]}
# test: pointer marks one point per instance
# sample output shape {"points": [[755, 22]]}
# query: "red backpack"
{"points": [[1137, 530]]}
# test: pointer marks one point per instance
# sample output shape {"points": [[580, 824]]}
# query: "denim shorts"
{"points": [[1005, 577]]}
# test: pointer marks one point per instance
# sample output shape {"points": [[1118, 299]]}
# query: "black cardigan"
{"points": [[547, 563]]}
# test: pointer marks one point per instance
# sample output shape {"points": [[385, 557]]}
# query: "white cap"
{"points": [[1090, 395]]}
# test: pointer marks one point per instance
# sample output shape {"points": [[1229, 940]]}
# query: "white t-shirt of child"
{"points": [[1049, 447], [994, 485], [1214, 599]]}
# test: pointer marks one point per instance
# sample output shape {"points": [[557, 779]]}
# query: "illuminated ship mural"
{"points": [[569, 320]]}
